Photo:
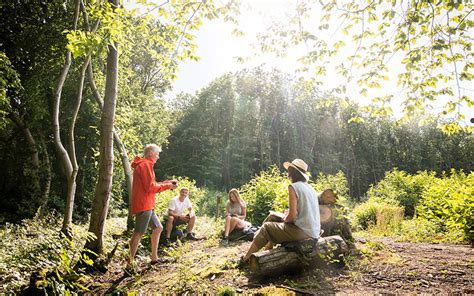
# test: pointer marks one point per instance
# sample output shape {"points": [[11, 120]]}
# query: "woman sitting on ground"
{"points": [[302, 220], [236, 211]]}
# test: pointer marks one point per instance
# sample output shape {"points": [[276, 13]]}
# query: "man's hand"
{"points": [[184, 218], [174, 184]]}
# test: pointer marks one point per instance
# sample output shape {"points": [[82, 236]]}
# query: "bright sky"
{"points": [[218, 50]]}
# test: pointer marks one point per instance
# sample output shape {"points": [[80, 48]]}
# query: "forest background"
{"points": [[79, 75]]}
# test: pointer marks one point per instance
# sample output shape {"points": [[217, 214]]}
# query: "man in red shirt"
{"points": [[144, 189]]}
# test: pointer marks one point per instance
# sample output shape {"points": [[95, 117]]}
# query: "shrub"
{"points": [[265, 192], [400, 188], [365, 214], [389, 218], [207, 204], [226, 291], [338, 183], [449, 204], [377, 215]]}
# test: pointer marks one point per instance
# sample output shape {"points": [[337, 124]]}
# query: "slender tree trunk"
{"points": [[127, 169], [72, 184], [103, 190], [47, 180], [33, 151], [61, 151]]}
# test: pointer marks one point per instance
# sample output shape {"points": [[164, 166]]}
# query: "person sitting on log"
{"points": [[176, 216], [302, 220], [236, 211]]}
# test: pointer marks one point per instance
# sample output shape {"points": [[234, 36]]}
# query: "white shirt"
{"points": [[178, 207]]}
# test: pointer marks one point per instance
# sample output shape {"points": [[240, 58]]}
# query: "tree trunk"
{"points": [[61, 151], [103, 189], [33, 151], [127, 169], [47, 181], [280, 260]]}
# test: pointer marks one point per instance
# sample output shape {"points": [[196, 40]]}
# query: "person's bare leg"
{"points": [[235, 223], [155, 237], [133, 245], [227, 226], [190, 226], [169, 226]]}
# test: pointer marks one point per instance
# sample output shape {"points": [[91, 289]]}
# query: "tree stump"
{"points": [[281, 260]]}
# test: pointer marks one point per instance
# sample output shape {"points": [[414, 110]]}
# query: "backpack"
{"points": [[245, 234]]}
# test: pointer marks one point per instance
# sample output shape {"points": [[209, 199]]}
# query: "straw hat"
{"points": [[299, 165]]}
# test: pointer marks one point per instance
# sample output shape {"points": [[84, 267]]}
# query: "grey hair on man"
{"points": [[151, 148]]}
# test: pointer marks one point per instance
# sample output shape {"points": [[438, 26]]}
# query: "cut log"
{"points": [[281, 260], [327, 197], [333, 222]]}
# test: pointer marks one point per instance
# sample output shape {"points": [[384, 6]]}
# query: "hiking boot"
{"points": [[242, 263], [158, 261], [225, 240], [191, 236]]}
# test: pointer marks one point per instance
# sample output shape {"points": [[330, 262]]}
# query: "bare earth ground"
{"points": [[377, 266]]}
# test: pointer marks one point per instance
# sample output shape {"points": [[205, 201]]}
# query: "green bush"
{"points": [[338, 183], [267, 191], [377, 215], [226, 291], [36, 245], [401, 189], [207, 204], [449, 203], [365, 214]]}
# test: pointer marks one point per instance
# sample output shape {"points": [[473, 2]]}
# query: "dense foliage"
{"points": [[245, 122], [37, 38], [449, 203], [416, 55], [440, 207]]}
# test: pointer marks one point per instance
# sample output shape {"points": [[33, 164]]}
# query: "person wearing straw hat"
{"points": [[302, 220]]}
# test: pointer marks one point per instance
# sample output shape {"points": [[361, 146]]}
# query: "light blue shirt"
{"points": [[308, 217]]}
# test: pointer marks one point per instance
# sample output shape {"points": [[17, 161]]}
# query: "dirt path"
{"points": [[400, 268], [380, 265]]}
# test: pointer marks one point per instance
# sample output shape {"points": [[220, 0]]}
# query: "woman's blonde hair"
{"points": [[239, 199]]}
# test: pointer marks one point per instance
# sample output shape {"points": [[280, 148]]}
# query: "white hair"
{"points": [[151, 148]]}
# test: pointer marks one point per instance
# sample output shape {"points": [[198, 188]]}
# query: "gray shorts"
{"points": [[145, 219]]}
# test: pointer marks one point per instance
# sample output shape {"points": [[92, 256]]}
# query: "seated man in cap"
{"points": [[177, 216]]}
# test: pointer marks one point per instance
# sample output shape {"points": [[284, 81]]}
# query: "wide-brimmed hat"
{"points": [[299, 165]]}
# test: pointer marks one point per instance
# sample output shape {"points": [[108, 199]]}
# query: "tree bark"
{"points": [[33, 150], [103, 189], [127, 169], [280, 260], [61, 151], [47, 181]]}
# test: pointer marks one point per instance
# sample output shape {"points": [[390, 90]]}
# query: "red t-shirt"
{"points": [[144, 185]]}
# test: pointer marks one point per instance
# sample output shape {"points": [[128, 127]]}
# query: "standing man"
{"points": [[176, 216], [144, 189]]}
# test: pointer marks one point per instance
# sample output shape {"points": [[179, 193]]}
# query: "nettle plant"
{"points": [[449, 203]]}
